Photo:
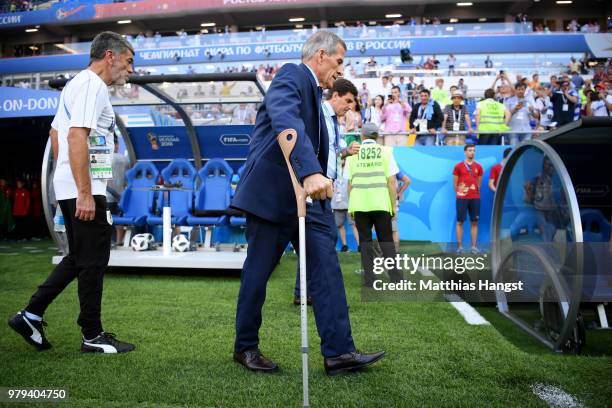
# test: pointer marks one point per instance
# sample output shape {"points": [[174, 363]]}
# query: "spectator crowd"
{"points": [[528, 105]]}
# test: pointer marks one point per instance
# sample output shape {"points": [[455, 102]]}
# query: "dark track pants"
{"points": [[381, 221], [87, 259]]}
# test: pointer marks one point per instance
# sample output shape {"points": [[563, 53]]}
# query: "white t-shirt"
{"points": [[544, 106], [598, 108], [85, 103], [520, 120], [393, 168]]}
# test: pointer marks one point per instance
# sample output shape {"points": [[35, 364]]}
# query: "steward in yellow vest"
{"points": [[372, 197], [491, 116]]}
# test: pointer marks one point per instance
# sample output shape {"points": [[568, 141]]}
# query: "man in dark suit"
{"points": [[265, 194]]}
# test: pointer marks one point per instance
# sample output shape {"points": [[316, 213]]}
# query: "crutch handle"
{"points": [[287, 139]]}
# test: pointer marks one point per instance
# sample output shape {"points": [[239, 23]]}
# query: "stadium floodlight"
{"points": [[393, 15], [124, 21], [453, 20], [465, 4], [31, 30], [482, 19], [296, 19], [564, 2], [208, 24]]}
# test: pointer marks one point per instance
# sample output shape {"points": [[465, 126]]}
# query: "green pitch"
{"points": [[183, 327]]}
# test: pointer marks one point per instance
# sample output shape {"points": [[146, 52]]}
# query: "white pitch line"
{"points": [[470, 314], [555, 397], [425, 272]]}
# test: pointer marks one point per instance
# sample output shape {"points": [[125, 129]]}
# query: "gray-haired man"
{"points": [[85, 124], [266, 195]]}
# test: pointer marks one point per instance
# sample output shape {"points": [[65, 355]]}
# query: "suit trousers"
{"points": [[266, 244], [87, 259]]}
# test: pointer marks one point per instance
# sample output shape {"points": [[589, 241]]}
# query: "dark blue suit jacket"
{"points": [[292, 101]]}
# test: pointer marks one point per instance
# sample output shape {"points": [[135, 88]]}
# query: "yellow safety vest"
{"points": [[369, 172], [441, 96], [492, 115]]}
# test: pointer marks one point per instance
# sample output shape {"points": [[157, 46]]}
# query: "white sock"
{"points": [[32, 316]]}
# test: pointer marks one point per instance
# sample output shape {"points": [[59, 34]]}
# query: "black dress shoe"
{"points": [[255, 361], [350, 362], [296, 301]]}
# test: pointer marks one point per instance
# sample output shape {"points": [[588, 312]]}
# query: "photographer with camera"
{"points": [[565, 101]]}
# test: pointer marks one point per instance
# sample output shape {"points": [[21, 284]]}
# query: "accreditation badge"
{"points": [[421, 125], [100, 157]]}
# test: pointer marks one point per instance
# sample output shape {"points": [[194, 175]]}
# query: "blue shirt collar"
{"points": [[330, 110]]}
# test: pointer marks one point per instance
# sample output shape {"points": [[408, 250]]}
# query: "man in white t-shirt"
{"points": [[522, 109], [85, 123]]}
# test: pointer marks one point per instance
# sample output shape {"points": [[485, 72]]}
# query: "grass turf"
{"points": [[183, 327]]}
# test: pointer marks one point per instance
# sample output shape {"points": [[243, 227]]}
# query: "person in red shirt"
{"points": [[496, 171], [21, 209], [467, 176]]}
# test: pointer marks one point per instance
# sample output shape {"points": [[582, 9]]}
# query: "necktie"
{"points": [[337, 146], [337, 133]]}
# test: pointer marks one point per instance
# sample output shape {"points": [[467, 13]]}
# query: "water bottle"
{"points": [[58, 221]]}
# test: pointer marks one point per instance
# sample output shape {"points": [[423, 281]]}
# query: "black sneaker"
{"points": [[106, 343], [344, 248], [31, 330]]}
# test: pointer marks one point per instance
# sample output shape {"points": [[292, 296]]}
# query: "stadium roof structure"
{"points": [[163, 16]]}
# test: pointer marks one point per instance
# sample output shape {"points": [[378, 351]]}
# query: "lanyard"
{"points": [[469, 168], [422, 112], [458, 117]]}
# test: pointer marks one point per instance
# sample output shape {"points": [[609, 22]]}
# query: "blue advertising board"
{"points": [[528, 43], [427, 212], [20, 102], [230, 142], [60, 12], [160, 144]]}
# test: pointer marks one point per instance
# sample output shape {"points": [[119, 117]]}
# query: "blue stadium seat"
{"points": [[213, 194], [236, 221], [236, 179], [595, 227], [136, 202], [525, 227], [181, 202]]}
